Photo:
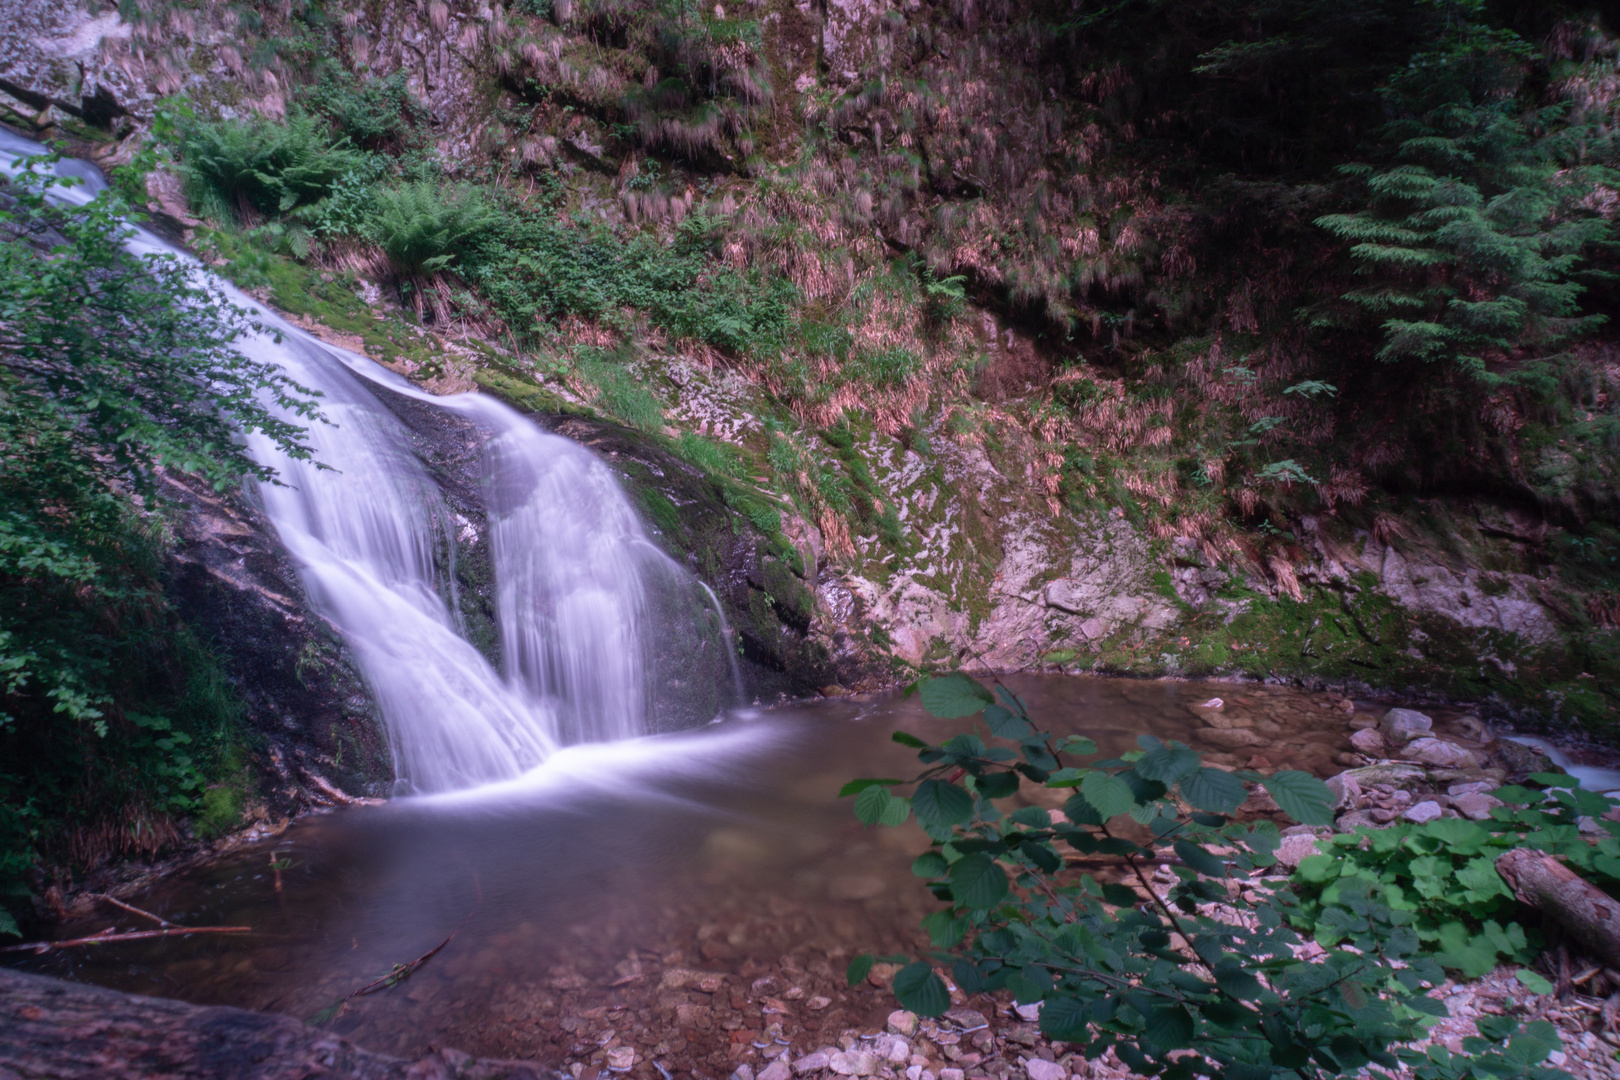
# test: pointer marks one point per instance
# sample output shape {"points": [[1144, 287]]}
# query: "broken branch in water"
{"points": [[133, 935], [132, 909], [400, 972]]}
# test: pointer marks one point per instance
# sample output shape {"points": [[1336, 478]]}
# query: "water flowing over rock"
{"points": [[584, 599]]}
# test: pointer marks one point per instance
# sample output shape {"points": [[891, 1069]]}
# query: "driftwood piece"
{"points": [[1587, 913], [56, 1030]]}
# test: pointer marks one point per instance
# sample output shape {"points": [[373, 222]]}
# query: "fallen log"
{"points": [[56, 1030], [1585, 912]]}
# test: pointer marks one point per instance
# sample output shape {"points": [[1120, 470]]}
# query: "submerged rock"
{"points": [[1368, 741]]}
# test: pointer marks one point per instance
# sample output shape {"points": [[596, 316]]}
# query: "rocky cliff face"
{"points": [[1012, 501], [313, 734]]}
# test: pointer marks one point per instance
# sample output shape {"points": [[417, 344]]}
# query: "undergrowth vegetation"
{"points": [[1209, 977], [114, 370]]}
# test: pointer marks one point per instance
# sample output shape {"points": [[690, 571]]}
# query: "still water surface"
{"points": [[579, 889]]}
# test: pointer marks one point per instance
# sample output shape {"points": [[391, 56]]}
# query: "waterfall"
{"points": [[599, 629]]}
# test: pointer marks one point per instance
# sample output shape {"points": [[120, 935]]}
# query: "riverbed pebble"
{"points": [[1475, 805], [1440, 753], [1427, 810], [853, 1063], [1041, 1069], [902, 1022]]}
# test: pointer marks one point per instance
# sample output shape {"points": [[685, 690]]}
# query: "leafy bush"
{"points": [[1204, 982], [423, 228], [261, 166], [1444, 872], [710, 455], [617, 391], [111, 367], [535, 269]]}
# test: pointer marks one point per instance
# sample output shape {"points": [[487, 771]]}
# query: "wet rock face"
{"points": [[233, 584]]}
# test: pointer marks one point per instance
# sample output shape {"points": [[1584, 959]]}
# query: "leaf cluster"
{"points": [[114, 367], [1443, 872], [1206, 981]]}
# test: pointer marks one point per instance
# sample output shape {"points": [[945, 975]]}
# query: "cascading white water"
{"points": [[582, 593]]}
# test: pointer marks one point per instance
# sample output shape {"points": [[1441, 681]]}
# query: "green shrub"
{"points": [[424, 228], [218, 811], [535, 269], [1201, 982], [617, 391], [261, 166]]}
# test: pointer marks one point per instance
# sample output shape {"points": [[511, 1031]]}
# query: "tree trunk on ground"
{"points": [[56, 1030], [1587, 913]]}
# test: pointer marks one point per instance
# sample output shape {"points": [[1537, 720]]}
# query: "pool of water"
{"points": [[693, 898]]}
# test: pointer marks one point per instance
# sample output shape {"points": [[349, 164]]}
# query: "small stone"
{"points": [[1224, 721], [1031, 1013], [1290, 853], [1346, 791], [1475, 805], [914, 1072], [1362, 721], [811, 1063], [1471, 787], [1356, 819], [1041, 1069], [882, 975], [776, 1070], [1391, 773], [817, 1003], [853, 1063], [902, 1022], [620, 1058], [968, 1019], [1401, 725], [1441, 754], [952, 1074], [1368, 741], [893, 1049], [1427, 810], [743, 1072]]}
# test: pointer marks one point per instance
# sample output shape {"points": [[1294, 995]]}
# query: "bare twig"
{"points": [[132, 909], [133, 935], [401, 972]]}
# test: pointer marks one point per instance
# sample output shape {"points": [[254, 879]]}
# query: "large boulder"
{"points": [[1403, 725]]}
